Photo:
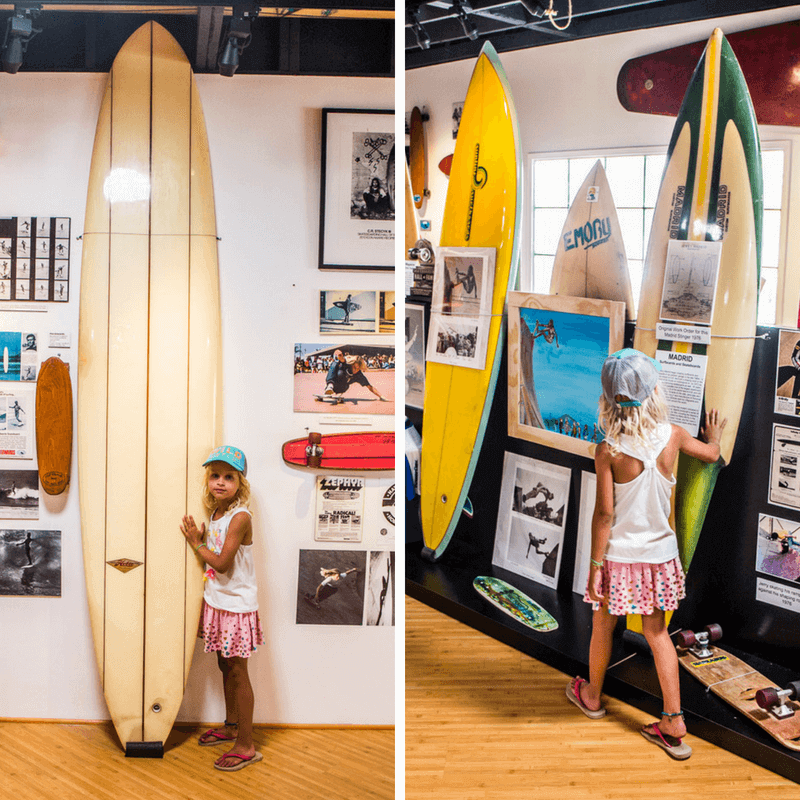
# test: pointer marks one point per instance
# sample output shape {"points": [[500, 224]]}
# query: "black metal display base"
{"points": [[447, 587]]}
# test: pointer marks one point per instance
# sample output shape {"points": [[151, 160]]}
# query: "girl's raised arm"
{"points": [[707, 448]]}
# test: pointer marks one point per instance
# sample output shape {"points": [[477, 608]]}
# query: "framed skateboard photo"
{"points": [[357, 190], [415, 355], [556, 349], [346, 312], [787, 374], [532, 517], [461, 306]]}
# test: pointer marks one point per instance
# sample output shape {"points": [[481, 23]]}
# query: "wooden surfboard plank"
{"points": [[412, 221], [54, 425], [149, 379], [482, 209], [713, 160], [417, 158], [656, 83], [590, 259]]}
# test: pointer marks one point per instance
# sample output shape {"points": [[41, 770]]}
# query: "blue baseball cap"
{"points": [[230, 455]]}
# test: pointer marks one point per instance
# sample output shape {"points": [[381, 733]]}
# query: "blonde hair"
{"points": [[240, 501], [637, 422]]}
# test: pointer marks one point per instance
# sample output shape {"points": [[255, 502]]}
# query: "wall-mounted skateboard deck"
{"points": [[412, 220], [54, 425], [656, 83], [515, 603], [148, 380], [590, 259], [446, 164], [482, 209], [737, 683], [417, 165], [711, 190], [368, 450]]}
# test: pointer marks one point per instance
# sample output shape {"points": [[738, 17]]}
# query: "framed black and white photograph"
{"points": [[19, 494], [348, 311], [330, 587], [415, 355], [357, 193], [30, 563], [532, 517], [379, 605], [461, 306]]}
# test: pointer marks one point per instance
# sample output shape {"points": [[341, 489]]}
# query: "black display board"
{"points": [[721, 584]]}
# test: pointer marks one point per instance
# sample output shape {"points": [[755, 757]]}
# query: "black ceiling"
{"points": [[322, 37], [519, 24]]}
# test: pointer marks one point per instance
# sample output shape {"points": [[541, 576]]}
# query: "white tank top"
{"points": [[641, 532], [236, 590]]}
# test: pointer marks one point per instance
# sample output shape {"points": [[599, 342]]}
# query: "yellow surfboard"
{"points": [[148, 380], [482, 209]]}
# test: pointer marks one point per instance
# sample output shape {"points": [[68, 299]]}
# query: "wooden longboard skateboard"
{"points": [[737, 683], [657, 82], [515, 603], [372, 450], [417, 159], [54, 425]]}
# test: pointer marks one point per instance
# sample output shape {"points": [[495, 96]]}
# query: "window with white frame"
{"points": [[635, 181]]}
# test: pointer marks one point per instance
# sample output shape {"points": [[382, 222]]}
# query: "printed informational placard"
{"points": [[778, 594], [683, 378], [34, 258], [60, 340], [692, 334], [583, 549], [16, 424], [530, 524], [787, 374], [340, 509], [784, 485], [690, 281]]}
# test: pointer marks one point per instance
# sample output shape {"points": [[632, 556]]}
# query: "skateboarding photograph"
{"points": [[346, 379]]}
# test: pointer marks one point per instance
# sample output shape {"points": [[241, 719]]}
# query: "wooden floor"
{"points": [[56, 761], [486, 722]]}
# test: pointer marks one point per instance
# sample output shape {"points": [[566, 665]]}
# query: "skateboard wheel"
{"points": [[685, 638], [766, 698], [794, 688], [714, 632]]}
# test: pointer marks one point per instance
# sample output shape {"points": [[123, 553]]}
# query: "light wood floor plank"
{"points": [[61, 761], [486, 722]]}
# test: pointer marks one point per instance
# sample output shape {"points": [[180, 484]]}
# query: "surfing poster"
{"points": [[19, 494], [30, 563], [557, 346], [17, 415], [532, 518], [18, 356], [342, 311]]}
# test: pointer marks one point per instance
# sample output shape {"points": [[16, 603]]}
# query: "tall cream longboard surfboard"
{"points": [[482, 209], [711, 190], [590, 260], [148, 380]]}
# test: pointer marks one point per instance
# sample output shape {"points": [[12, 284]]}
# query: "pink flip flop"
{"points": [[245, 761], [574, 696], [671, 745]]}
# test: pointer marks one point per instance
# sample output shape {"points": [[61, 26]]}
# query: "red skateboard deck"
{"points": [[445, 164], [370, 450], [656, 83], [54, 425]]}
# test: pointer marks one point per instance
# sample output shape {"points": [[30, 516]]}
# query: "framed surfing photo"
{"points": [[532, 518], [357, 190], [415, 355], [556, 349]]}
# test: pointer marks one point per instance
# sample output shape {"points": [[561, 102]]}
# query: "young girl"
{"points": [[230, 625], [635, 568]]}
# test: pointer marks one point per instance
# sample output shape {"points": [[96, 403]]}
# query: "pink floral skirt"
{"points": [[641, 588], [228, 633]]}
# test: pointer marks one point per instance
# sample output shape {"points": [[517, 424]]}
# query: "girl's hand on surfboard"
{"points": [[193, 534], [711, 431]]}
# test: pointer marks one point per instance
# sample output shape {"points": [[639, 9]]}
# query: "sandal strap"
{"points": [[662, 737]]}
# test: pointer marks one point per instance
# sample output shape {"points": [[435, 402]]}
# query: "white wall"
{"points": [[566, 99], [265, 138]]}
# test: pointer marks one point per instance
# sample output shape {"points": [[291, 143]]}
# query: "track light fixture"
{"points": [[464, 9], [238, 37], [423, 40], [19, 32]]}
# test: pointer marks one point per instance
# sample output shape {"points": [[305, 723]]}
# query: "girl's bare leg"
{"points": [[603, 625], [241, 690], [666, 659]]}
